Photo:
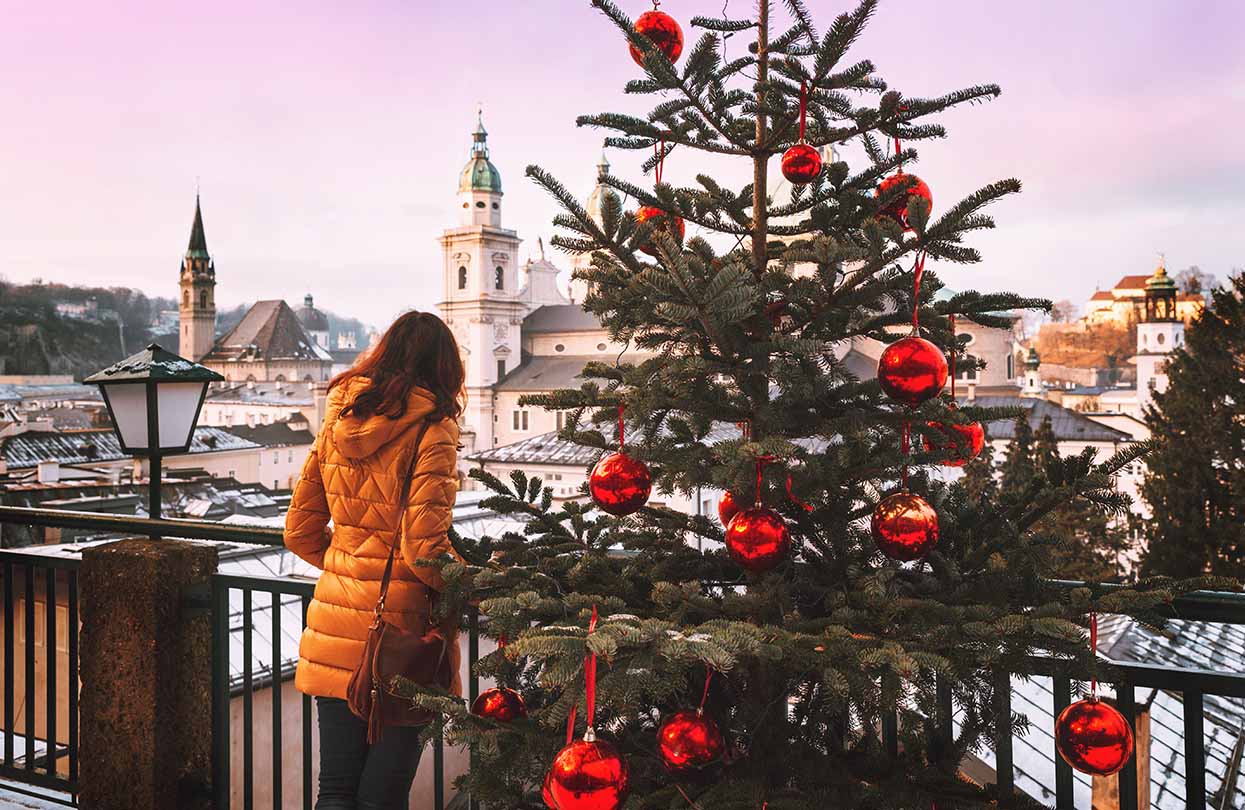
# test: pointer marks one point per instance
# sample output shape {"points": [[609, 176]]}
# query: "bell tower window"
{"points": [[462, 278], [185, 298], [499, 280], [203, 299]]}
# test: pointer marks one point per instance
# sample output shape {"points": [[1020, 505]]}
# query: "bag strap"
{"points": [[401, 535]]}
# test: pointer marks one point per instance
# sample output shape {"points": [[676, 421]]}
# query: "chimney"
{"points": [[49, 472], [972, 392], [250, 384], [280, 385]]}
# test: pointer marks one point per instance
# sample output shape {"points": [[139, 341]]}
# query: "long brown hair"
{"points": [[417, 351]]}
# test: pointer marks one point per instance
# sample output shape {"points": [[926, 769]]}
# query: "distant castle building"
{"points": [[1124, 304]]}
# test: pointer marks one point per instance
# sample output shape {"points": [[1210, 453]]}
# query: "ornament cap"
{"points": [[590, 734]]}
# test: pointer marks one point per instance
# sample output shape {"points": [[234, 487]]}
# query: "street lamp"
{"points": [[154, 399]]}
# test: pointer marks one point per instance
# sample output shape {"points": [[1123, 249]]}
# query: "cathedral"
{"points": [[519, 333]]}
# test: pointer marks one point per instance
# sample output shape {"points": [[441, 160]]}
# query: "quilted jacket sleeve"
{"points": [[306, 523], [431, 502]]}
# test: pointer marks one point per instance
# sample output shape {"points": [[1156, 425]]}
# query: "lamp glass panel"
{"points": [[178, 406], [129, 411]]}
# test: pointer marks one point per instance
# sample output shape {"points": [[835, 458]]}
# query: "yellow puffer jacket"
{"points": [[353, 476]]}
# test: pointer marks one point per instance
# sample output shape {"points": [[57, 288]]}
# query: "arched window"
{"points": [[203, 299], [462, 278], [185, 298], [480, 204], [499, 278], [1011, 367]]}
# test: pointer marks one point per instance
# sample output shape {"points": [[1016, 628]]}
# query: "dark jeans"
{"points": [[358, 776]]}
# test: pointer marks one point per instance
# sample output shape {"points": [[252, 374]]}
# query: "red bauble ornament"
{"points": [[905, 527], [757, 539], [912, 370], [661, 224], [500, 704], [588, 776], [962, 442], [898, 209], [688, 739], [620, 484], [801, 164], [546, 793], [727, 508], [662, 31], [1094, 737]]}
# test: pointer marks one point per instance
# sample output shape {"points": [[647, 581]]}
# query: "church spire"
{"points": [[198, 242]]}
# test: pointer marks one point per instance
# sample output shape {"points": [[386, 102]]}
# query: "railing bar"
{"points": [[29, 608], [165, 528], [1126, 700], [267, 584], [49, 665], [307, 792], [890, 717], [72, 675], [1194, 751], [276, 689], [1005, 777], [248, 770], [438, 771], [473, 680], [1064, 798], [220, 693], [9, 629]]}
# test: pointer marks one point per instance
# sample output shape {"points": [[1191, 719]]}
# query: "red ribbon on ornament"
{"points": [[621, 428], [570, 724], [761, 462], [1093, 645], [660, 153], [918, 272], [805, 506], [803, 108], [590, 675], [705, 695], [745, 429]]}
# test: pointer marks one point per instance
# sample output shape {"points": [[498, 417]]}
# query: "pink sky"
{"points": [[328, 137]]}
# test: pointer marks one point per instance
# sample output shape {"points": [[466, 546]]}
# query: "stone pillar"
{"points": [[146, 670]]}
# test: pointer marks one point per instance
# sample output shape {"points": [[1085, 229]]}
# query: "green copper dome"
{"points": [[480, 174], [1160, 280]]}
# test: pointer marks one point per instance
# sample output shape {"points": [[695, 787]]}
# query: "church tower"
{"points": [[481, 302], [1033, 386], [1159, 333], [580, 289], [197, 308]]}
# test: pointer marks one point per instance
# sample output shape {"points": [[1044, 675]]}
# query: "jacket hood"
{"points": [[357, 437]]}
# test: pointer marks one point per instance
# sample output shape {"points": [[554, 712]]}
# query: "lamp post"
{"points": [[154, 398]]}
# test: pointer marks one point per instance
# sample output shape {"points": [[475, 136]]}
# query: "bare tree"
{"points": [[1063, 311], [1195, 281]]}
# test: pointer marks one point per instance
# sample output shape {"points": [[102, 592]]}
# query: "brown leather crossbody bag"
{"points": [[391, 650]]}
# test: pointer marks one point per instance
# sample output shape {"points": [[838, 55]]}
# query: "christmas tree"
{"points": [[1195, 480], [806, 664]]}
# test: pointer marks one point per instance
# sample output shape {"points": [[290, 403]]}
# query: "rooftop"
{"points": [[1069, 426], [269, 331], [100, 445], [561, 318], [546, 373], [277, 434]]}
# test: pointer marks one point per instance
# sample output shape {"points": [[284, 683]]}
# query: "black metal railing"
{"points": [[261, 745], [40, 745]]}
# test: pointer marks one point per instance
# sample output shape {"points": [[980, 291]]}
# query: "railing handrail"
{"points": [[159, 527]]}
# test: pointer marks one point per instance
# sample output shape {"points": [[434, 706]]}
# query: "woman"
{"points": [[354, 477]]}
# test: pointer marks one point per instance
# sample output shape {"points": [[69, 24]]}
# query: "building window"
{"points": [[496, 206], [290, 460], [1011, 367], [559, 348], [462, 278], [276, 456], [560, 416], [501, 369], [480, 204], [1161, 338], [519, 419], [600, 347], [499, 278], [186, 298], [203, 299]]}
